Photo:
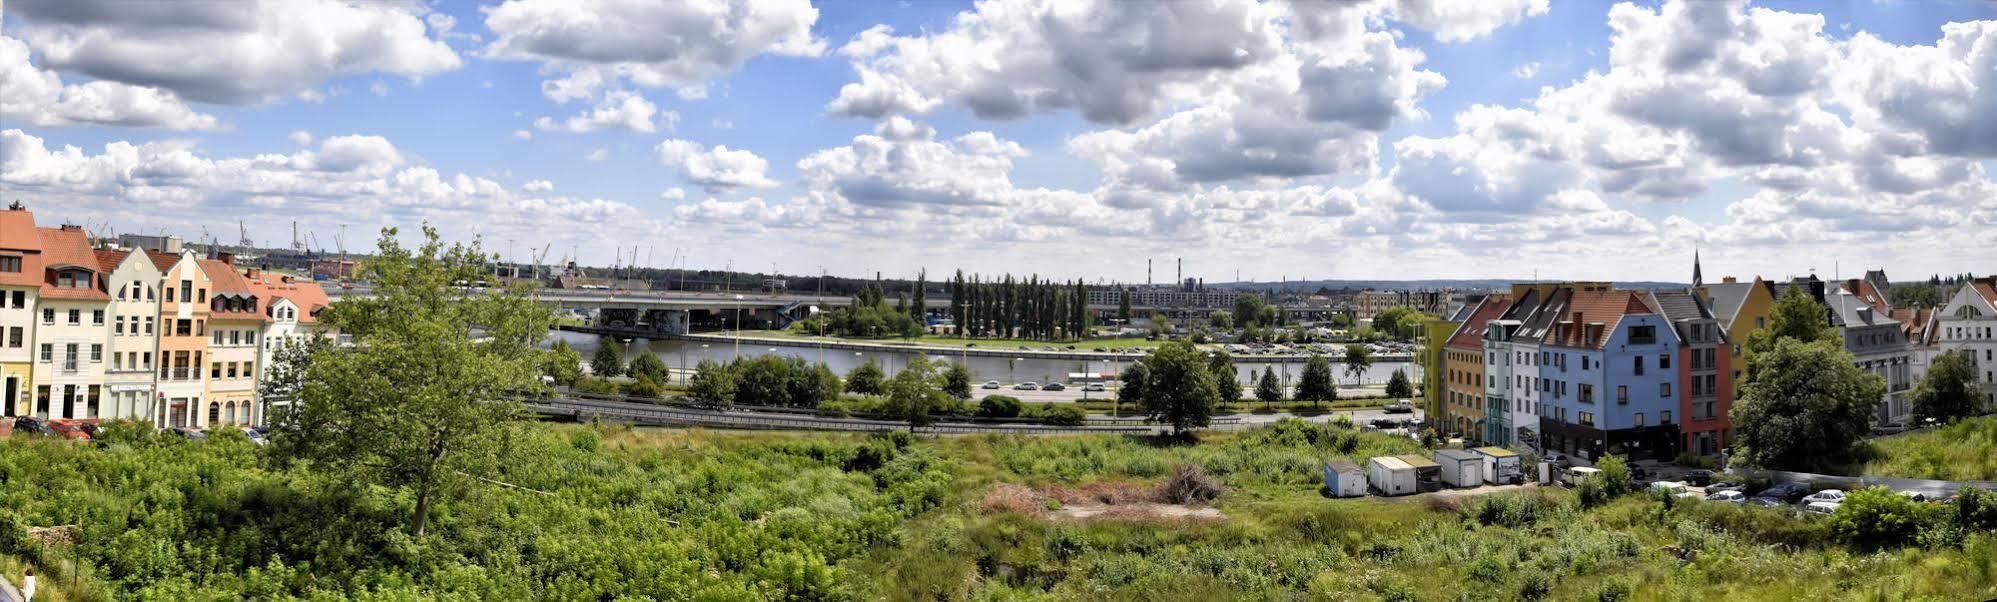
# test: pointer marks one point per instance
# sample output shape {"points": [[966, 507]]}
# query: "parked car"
{"points": [[256, 436], [1728, 496], [1097, 387], [1026, 386], [1785, 491], [1054, 387], [1833, 496], [69, 429], [31, 426], [190, 434], [1399, 407], [991, 384], [1671, 487], [1821, 508], [1701, 478], [1767, 502], [1559, 460], [1727, 486]]}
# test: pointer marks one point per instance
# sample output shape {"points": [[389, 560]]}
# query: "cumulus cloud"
{"points": [[651, 44], [715, 169], [38, 97], [249, 52], [537, 186], [620, 109], [300, 137], [598, 154]]}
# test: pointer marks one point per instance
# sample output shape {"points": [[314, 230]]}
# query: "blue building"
{"points": [[1608, 378]]}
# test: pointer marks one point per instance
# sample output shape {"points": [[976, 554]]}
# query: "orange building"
{"points": [[183, 340]]}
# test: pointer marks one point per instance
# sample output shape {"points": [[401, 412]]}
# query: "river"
{"points": [[685, 354]]}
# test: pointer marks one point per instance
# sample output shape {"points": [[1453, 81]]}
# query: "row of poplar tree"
{"points": [[1027, 308]]}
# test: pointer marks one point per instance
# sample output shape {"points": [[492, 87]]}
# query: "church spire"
{"points": [[1698, 279]]}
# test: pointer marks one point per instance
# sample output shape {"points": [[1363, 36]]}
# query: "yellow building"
{"points": [[1742, 308], [20, 289], [1463, 399]]}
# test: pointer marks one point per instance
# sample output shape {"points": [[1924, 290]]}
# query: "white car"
{"points": [[1831, 496], [991, 384], [1821, 508], [1730, 496], [1671, 487]]}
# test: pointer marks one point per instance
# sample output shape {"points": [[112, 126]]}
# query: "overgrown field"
{"points": [[1964, 451], [605, 512]]}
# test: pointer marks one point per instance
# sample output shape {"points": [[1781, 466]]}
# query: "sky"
{"points": [[1307, 139]]}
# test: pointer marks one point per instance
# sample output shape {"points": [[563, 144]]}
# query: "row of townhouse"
{"points": [[173, 338]]}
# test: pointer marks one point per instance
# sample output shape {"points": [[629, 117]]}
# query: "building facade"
{"points": [[1705, 372], [1466, 397], [1611, 382], [1742, 308], [73, 327], [1969, 323], [291, 314], [134, 283], [20, 288], [183, 342], [235, 325]]}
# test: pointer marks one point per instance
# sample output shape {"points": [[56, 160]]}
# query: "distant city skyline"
{"points": [[1379, 140]]}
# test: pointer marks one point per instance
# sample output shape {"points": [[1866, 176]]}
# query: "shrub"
{"points": [[599, 386], [1190, 484], [1515, 510], [1535, 586], [999, 406], [1692, 460], [1065, 415], [645, 387], [1876, 518]]}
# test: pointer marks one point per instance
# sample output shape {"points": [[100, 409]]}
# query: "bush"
{"points": [[1190, 485], [1065, 415], [645, 387], [1877, 518], [999, 406], [1516, 509], [599, 386], [1692, 460]]}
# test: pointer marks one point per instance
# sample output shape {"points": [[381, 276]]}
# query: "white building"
{"points": [[1969, 323], [291, 314], [72, 328], [134, 284], [20, 287]]}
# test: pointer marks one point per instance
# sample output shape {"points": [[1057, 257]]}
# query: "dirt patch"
{"points": [[1137, 511], [1107, 500]]}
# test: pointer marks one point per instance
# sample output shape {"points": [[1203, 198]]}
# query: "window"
{"points": [[1761, 322], [149, 325], [1664, 417], [1664, 362], [216, 340], [183, 327], [1587, 393], [10, 264], [96, 352], [200, 327], [204, 296], [232, 369], [48, 315], [1664, 390], [48, 352], [20, 299], [1584, 362], [97, 317], [1638, 362], [119, 328], [71, 352], [75, 316], [1587, 419], [1639, 418], [1642, 335], [14, 336], [215, 370], [1622, 395], [186, 291]]}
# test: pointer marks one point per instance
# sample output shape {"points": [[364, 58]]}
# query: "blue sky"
{"points": [[1219, 147]]}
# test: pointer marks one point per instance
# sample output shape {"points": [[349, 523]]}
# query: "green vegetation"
{"points": [[1029, 308], [869, 316], [607, 363], [1316, 384], [1357, 358], [1178, 390], [562, 363], [1398, 385], [1226, 381], [1268, 389], [1947, 392], [1399, 323], [1964, 451], [1805, 405]]}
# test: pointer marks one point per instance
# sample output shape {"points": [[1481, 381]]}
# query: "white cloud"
{"points": [[537, 186], [379, 88], [1526, 70], [300, 137], [248, 52], [598, 154], [523, 134], [681, 45], [40, 98], [619, 109], [673, 194], [716, 169], [1464, 20]]}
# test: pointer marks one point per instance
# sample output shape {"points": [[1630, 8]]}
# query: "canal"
{"points": [[680, 354]]}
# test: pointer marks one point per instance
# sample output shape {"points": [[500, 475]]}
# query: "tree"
{"points": [[1358, 358], [607, 362], [1806, 408], [1267, 388], [285, 377], [645, 387], [912, 393], [650, 366], [417, 401], [957, 381], [1160, 324], [1178, 389], [1341, 320], [1123, 306], [1796, 316], [713, 384], [1396, 321], [1135, 379], [1398, 385], [1947, 393], [999, 406], [810, 384], [1317, 383], [865, 379], [1226, 382], [1221, 319], [562, 363], [1248, 309]]}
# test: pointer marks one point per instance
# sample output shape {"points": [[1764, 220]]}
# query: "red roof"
{"points": [[66, 249], [1865, 291], [1470, 336], [1586, 307], [225, 281], [163, 261], [1986, 287], [108, 259], [19, 239], [307, 295]]}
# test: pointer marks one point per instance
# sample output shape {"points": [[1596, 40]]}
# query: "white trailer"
{"points": [[1343, 478], [1501, 465], [1460, 468], [1390, 475]]}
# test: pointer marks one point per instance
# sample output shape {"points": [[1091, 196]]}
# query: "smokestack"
{"points": [[1147, 273], [1182, 271]]}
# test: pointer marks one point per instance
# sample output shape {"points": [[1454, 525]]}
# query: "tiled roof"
{"points": [[18, 238], [65, 248], [1986, 287], [1865, 291], [225, 281], [1915, 322], [1470, 336], [1596, 307], [306, 294], [108, 259], [163, 261]]}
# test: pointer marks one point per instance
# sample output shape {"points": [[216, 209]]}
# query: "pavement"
{"points": [[1075, 393]]}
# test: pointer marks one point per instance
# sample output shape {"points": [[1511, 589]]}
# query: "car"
{"points": [[32, 426], [1399, 407], [69, 429], [1821, 508], [255, 436], [1727, 486], [1728, 496], [1026, 386], [1767, 502], [1691, 495], [1701, 478], [1672, 487], [1833, 496], [1785, 491], [1915, 495], [1559, 460], [991, 384], [1098, 387], [1054, 387], [190, 434]]}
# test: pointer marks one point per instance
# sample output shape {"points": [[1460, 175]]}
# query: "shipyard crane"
{"points": [[244, 241], [539, 257], [297, 244]]}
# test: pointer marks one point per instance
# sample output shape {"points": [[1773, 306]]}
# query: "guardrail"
{"points": [[671, 416]]}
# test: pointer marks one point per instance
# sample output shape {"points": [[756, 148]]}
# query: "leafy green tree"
{"points": [[1613, 481], [1267, 388], [1796, 316], [713, 384], [416, 401], [1178, 389], [762, 380], [1398, 385], [1248, 309], [957, 381], [1357, 359], [913, 394], [1160, 324], [1226, 382], [285, 377], [866, 379], [1221, 320], [562, 363], [1123, 306], [1134, 379], [1342, 320], [645, 387], [1316, 384], [1947, 393], [999, 406], [810, 384], [1876, 518], [607, 362], [1807, 408], [649, 365]]}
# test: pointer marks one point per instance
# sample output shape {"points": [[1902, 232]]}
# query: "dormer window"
{"points": [[10, 264], [72, 279]]}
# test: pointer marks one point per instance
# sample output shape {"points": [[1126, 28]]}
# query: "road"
{"points": [[1076, 393]]}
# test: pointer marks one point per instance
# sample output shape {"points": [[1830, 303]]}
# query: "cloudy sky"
{"points": [[1299, 139]]}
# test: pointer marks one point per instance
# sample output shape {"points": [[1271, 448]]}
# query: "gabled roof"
{"points": [[1680, 305], [1470, 336], [1866, 292], [1849, 312], [1728, 297], [1595, 307], [69, 249], [1917, 322], [108, 259], [163, 261], [18, 238], [308, 296], [224, 281], [1987, 288]]}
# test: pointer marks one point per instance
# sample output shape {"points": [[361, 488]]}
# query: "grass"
{"points": [[1964, 451]]}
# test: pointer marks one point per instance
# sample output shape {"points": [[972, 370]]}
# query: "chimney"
{"points": [[226, 257], [1580, 330], [72, 228], [1729, 280]]}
